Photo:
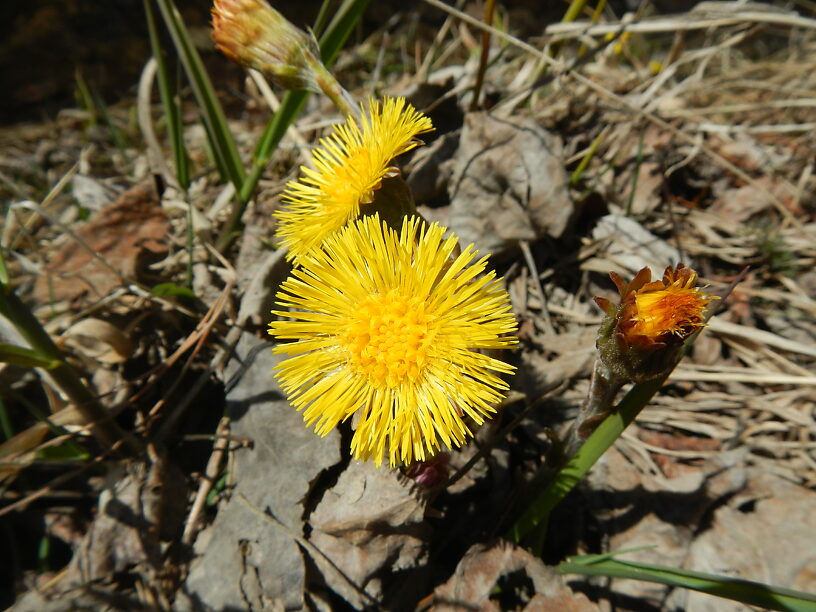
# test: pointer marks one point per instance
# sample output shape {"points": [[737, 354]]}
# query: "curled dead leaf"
{"points": [[98, 340]]}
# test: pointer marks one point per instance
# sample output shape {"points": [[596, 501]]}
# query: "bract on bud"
{"points": [[640, 337]]}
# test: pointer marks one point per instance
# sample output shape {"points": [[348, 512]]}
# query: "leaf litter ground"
{"points": [[611, 164]]}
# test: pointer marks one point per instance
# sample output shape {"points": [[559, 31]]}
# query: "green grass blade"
{"points": [[118, 137], [24, 357], [291, 105], [4, 274], [736, 589], [574, 11], [43, 553], [322, 18], [638, 162], [84, 97], [223, 144], [5, 422], [170, 105], [582, 165], [339, 29]]}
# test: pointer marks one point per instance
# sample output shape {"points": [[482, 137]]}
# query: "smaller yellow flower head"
{"points": [[349, 166], [387, 326]]}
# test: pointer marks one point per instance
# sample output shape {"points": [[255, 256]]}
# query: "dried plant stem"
{"points": [[477, 88], [207, 482], [696, 20]]}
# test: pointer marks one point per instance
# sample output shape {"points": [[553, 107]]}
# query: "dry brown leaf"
{"points": [[370, 525], [508, 183], [126, 234], [11, 461], [479, 572], [98, 340], [740, 203]]}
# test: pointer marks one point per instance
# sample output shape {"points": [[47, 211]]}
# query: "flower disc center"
{"points": [[669, 311], [388, 339], [350, 186]]}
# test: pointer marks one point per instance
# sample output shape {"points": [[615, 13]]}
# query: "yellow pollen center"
{"points": [[388, 339], [347, 186], [673, 310]]}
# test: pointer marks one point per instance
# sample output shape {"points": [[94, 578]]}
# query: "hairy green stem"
{"points": [[603, 387]]}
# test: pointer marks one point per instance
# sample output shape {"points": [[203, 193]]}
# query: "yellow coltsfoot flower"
{"points": [[387, 327], [349, 166], [640, 337]]}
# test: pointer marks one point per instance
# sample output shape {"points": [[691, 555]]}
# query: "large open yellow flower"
{"points": [[387, 326], [348, 167]]}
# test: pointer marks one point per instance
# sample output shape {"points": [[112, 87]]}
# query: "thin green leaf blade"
{"points": [[171, 107], [341, 26], [223, 144], [736, 589], [4, 273], [172, 290], [25, 357], [67, 451]]}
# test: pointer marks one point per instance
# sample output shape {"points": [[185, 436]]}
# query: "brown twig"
{"points": [[477, 88], [207, 481], [21, 504]]}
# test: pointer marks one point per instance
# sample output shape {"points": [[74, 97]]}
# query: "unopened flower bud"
{"points": [[253, 34], [641, 337]]}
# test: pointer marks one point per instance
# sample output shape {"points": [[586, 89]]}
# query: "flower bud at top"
{"points": [[253, 34], [641, 337]]}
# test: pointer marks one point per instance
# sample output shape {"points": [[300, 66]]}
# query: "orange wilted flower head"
{"points": [[641, 336]]}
